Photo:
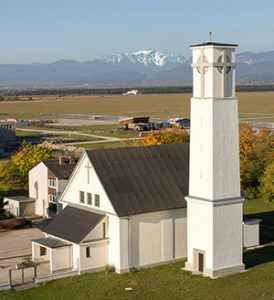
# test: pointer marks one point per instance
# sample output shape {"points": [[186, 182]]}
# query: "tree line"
{"points": [[117, 91]]}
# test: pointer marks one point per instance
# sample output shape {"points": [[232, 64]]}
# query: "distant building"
{"points": [[134, 120], [47, 180], [132, 92], [19, 123], [7, 131]]}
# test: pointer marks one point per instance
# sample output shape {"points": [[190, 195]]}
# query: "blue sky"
{"points": [[49, 30]]}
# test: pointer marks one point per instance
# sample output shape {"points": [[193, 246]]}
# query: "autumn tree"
{"points": [[256, 157], [14, 175], [266, 188], [164, 136]]}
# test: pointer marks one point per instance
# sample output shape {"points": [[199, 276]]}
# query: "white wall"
{"points": [[153, 238], [75, 256], [12, 206], [61, 258], [215, 230], [97, 231], [227, 235], [199, 230], [214, 149], [114, 242], [98, 255], [39, 173], [78, 182], [36, 253], [251, 234]]}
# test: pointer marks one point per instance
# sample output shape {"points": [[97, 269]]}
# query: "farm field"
{"points": [[251, 105], [34, 136], [106, 145]]}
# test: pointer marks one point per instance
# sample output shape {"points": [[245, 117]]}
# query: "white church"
{"points": [[138, 207]]}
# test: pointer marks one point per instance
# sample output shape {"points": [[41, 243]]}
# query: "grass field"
{"points": [[106, 145], [34, 136], [164, 282], [160, 105]]}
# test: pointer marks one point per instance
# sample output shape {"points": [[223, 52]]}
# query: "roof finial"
{"points": [[210, 37]]}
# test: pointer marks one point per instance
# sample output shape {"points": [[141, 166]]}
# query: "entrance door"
{"points": [[201, 262]]}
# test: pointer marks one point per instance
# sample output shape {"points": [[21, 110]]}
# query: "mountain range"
{"points": [[142, 68]]}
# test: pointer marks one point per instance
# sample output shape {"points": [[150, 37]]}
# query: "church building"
{"points": [[138, 207]]}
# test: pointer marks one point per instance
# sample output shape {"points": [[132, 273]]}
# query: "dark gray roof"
{"points": [[73, 224], [143, 179], [61, 171], [215, 44], [247, 219], [50, 243]]}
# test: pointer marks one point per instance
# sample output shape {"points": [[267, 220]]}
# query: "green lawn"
{"points": [[163, 282], [33, 136], [106, 145], [169, 281]]}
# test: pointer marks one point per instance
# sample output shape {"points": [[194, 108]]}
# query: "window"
{"points": [[82, 197], [88, 252], [104, 230], [52, 198], [52, 183], [43, 251], [97, 200], [89, 198]]}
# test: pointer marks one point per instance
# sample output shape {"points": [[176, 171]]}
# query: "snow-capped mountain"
{"points": [[141, 68], [146, 57]]}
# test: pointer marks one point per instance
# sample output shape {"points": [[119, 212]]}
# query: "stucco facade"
{"points": [[40, 189], [214, 203]]}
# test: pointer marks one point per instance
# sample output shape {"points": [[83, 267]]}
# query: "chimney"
{"points": [[62, 160], [71, 160]]}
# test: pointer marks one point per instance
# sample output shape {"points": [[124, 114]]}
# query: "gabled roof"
{"points": [[73, 224], [143, 179], [61, 171]]}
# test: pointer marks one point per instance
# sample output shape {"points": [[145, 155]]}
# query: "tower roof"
{"points": [[214, 44]]}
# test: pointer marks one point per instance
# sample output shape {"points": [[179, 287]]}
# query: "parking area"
{"points": [[14, 245]]}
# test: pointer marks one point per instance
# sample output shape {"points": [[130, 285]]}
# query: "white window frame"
{"points": [[52, 198], [53, 183]]}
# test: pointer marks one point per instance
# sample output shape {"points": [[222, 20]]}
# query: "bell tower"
{"points": [[214, 203]]}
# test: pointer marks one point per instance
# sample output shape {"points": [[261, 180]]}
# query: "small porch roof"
{"points": [[249, 219], [20, 199], [50, 243]]}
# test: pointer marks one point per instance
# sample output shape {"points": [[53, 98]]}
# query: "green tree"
{"points": [[29, 156], [256, 154], [267, 183]]}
